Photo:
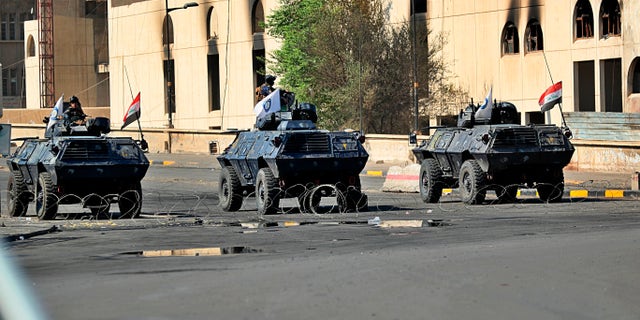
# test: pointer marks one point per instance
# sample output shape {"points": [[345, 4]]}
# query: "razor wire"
{"points": [[327, 202]]}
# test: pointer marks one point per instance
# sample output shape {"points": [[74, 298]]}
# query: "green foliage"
{"points": [[345, 57]]}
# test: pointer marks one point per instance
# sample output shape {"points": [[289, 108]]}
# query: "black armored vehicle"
{"points": [[494, 154], [76, 163], [286, 156]]}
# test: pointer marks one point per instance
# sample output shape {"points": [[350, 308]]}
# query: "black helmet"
{"points": [[270, 79], [74, 99]]}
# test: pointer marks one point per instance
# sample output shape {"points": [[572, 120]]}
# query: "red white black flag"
{"points": [[550, 97], [133, 113]]}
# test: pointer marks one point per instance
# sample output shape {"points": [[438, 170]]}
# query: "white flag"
{"points": [[484, 112], [57, 111], [269, 104]]}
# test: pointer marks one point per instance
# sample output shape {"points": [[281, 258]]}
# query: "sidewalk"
{"points": [[577, 179]]}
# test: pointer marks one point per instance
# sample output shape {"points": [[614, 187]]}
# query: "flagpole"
{"points": [[564, 123], [143, 143]]}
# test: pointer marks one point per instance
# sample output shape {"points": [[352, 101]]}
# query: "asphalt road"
{"points": [[527, 260]]}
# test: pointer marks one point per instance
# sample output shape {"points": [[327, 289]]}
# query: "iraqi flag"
{"points": [[485, 110], [269, 104], [133, 113], [57, 111], [550, 97]]}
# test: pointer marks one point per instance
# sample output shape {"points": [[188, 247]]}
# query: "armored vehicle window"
{"points": [[443, 142], [516, 137], [85, 150], [25, 152]]}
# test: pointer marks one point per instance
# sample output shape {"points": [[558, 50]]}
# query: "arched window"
{"points": [[610, 18], [419, 6], [583, 20], [533, 37], [31, 47], [510, 41], [634, 75], [167, 30], [257, 17]]}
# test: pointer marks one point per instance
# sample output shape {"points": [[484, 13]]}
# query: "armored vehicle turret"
{"points": [[286, 156], [497, 154], [76, 163]]}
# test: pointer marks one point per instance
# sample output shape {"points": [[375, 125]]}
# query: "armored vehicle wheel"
{"points": [[352, 199], [229, 190], [17, 196], [101, 211], [46, 199], [553, 189], [430, 181], [507, 194], [267, 192], [472, 183], [130, 201]]}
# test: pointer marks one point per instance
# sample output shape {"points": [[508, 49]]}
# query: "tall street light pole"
{"points": [[169, 76]]}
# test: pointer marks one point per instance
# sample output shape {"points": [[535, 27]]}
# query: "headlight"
{"points": [[551, 139], [345, 144], [128, 151]]}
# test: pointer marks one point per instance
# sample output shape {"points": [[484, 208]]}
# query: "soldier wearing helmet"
{"points": [[266, 88], [74, 113]]}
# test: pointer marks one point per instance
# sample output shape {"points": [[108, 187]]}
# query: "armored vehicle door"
{"points": [[245, 172], [22, 159], [440, 150]]}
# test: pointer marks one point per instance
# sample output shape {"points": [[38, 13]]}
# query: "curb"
{"points": [[574, 193]]}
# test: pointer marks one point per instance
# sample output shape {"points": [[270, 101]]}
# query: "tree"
{"points": [[344, 56]]}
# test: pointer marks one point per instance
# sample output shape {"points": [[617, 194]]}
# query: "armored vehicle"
{"points": [[494, 154], [286, 156], [76, 163]]}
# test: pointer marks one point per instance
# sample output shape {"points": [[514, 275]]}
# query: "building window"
{"points": [[634, 74], [584, 86], [5, 82], [12, 26], [4, 26], [257, 17], [10, 82], [510, 41], [533, 36], [611, 85], [213, 67], [584, 20], [31, 47], [610, 18], [419, 6]]}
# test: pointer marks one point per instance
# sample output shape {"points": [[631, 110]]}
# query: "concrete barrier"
{"points": [[402, 179]]}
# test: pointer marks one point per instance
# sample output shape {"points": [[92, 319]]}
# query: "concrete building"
{"points": [[67, 53], [13, 14], [592, 46]]}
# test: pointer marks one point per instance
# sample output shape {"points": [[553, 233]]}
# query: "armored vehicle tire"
{"points": [[353, 200], [46, 199], [17, 197], [553, 189], [507, 194], [430, 181], [267, 192], [229, 190], [100, 211], [130, 201], [472, 183]]}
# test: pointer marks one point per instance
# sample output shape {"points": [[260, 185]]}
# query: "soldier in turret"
{"points": [[74, 114], [266, 88]]}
